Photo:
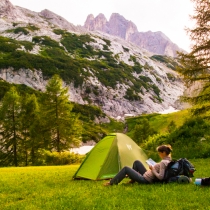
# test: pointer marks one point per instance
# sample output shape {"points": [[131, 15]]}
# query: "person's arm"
{"points": [[161, 173]]}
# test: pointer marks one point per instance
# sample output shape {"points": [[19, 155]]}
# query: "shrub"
{"points": [[170, 62], [28, 45], [105, 47], [32, 28], [191, 140], [55, 158], [142, 130], [125, 49], [131, 95], [145, 79], [45, 40], [8, 45], [59, 31], [21, 30], [171, 76], [137, 68], [14, 24], [156, 89], [108, 42]]}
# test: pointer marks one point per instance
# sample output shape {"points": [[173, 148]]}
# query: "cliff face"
{"points": [[154, 42], [99, 23], [57, 20], [8, 10], [116, 75]]}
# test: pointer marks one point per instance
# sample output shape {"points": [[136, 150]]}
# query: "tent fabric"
{"points": [[109, 156]]}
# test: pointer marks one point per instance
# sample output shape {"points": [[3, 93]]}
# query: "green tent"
{"points": [[108, 156]]}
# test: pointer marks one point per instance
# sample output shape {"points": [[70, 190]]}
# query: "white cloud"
{"points": [[168, 16]]}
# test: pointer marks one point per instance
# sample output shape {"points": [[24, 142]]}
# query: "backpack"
{"points": [[178, 167]]}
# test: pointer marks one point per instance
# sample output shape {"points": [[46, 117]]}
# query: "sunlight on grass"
{"points": [[160, 122], [53, 188]]}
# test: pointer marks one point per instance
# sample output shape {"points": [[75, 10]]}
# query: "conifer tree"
{"points": [[10, 127], [30, 127], [142, 130], [60, 121], [200, 34], [196, 65]]}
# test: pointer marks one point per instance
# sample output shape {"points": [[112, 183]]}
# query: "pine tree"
{"points": [[171, 126], [200, 34], [142, 130], [195, 65], [63, 125], [30, 127], [10, 127]]}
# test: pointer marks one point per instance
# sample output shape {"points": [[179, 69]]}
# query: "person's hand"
{"points": [[150, 167]]}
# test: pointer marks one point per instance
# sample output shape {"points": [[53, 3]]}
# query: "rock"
{"points": [[155, 42], [8, 10], [57, 20], [101, 120], [88, 143], [119, 26], [112, 101], [98, 23]]}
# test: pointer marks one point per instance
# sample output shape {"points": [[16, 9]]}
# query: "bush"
{"points": [[170, 62], [32, 28], [55, 158], [47, 41], [131, 95], [21, 30], [125, 49], [191, 140]]}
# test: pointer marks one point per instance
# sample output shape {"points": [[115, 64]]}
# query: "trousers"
{"points": [[135, 174]]}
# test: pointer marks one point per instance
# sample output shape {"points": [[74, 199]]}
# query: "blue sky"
{"points": [[168, 16]]}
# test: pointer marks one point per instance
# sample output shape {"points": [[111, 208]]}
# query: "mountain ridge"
{"points": [[99, 69], [155, 42]]}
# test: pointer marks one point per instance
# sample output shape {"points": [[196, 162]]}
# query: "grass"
{"points": [[160, 122], [52, 188]]}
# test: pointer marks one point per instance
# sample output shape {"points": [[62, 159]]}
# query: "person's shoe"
{"points": [[107, 184]]}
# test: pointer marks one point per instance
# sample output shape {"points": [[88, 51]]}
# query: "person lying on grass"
{"points": [[140, 174]]}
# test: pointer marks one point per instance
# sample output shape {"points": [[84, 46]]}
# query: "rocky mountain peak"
{"points": [[155, 42], [121, 27], [102, 17], [90, 18], [96, 24], [5, 6], [57, 20], [7, 9], [139, 83], [89, 22]]}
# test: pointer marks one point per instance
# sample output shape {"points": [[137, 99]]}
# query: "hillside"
{"points": [[101, 70], [188, 135], [159, 122], [89, 116]]}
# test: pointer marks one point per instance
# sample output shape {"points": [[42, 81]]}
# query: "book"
{"points": [[150, 162]]}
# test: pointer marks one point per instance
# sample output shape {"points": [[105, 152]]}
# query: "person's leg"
{"points": [[139, 167], [132, 174]]}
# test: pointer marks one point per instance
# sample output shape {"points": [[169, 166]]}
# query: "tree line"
{"points": [[29, 123]]}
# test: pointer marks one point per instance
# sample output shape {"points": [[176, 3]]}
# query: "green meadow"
{"points": [[52, 187], [159, 122]]}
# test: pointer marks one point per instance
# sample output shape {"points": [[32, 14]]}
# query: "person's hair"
{"points": [[165, 148]]}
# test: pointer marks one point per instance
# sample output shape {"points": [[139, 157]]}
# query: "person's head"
{"points": [[164, 150]]}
